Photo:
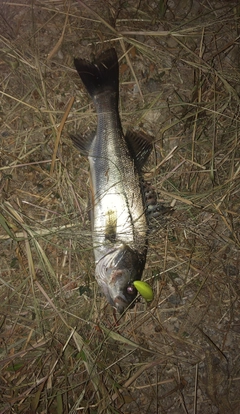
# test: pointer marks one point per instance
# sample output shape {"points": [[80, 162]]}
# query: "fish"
{"points": [[119, 221]]}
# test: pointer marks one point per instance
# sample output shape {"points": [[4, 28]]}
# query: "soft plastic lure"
{"points": [[144, 289]]}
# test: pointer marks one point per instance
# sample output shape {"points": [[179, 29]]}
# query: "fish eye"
{"points": [[131, 290]]}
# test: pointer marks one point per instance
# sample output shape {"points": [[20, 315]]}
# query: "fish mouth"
{"points": [[120, 298], [121, 304]]}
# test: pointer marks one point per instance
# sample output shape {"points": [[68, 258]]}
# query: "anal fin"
{"points": [[82, 142]]}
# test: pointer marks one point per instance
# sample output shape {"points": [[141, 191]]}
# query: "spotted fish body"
{"points": [[119, 223]]}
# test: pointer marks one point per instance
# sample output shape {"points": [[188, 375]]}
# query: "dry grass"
{"points": [[61, 349]]}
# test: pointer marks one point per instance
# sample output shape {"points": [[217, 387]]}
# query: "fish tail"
{"points": [[101, 75]]}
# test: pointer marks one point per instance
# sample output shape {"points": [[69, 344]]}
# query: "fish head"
{"points": [[115, 273]]}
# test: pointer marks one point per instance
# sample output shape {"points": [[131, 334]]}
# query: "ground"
{"points": [[62, 348]]}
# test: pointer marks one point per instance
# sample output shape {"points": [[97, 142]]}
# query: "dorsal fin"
{"points": [[140, 146]]}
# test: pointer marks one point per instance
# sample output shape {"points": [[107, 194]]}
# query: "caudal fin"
{"points": [[101, 75]]}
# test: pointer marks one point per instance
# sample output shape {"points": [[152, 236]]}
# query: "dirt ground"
{"points": [[62, 347]]}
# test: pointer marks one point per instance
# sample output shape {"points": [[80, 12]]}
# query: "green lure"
{"points": [[144, 289]]}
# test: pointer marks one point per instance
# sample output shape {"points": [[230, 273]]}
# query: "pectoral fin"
{"points": [[111, 225]]}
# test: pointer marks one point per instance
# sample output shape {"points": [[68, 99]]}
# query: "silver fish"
{"points": [[119, 223]]}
